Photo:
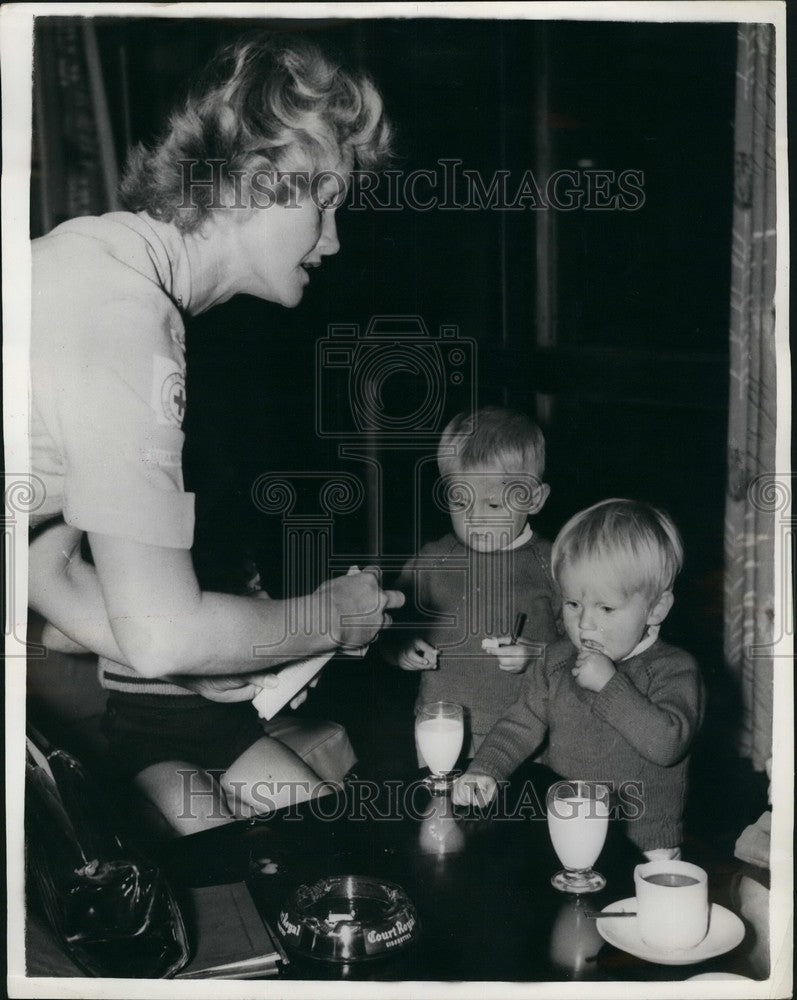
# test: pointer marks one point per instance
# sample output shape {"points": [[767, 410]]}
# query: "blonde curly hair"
{"points": [[268, 103]]}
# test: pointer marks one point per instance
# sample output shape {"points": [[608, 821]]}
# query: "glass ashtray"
{"points": [[348, 918]]}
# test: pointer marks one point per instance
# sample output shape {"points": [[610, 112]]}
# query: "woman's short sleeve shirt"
{"points": [[108, 381]]}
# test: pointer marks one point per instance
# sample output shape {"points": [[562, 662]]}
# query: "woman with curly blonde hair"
{"points": [[264, 108], [238, 196]]}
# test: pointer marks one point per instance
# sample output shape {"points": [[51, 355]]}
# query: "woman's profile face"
{"points": [[279, 245]]}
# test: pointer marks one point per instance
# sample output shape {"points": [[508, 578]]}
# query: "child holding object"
{"points": [[618, 704], [467, 589]]}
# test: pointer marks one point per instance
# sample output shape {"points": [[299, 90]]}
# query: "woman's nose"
{"points": [[585, 620], [328, 243]]}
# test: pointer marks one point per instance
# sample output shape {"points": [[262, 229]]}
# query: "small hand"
{"points": [[417, 654], [472, 788], [593, 670], [512, 658]]}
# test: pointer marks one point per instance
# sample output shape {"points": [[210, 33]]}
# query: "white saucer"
{"points": [[725, 932], [716, 976]]}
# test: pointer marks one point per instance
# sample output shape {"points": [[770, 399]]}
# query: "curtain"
{"points": [[74, 170], [753, 494]]}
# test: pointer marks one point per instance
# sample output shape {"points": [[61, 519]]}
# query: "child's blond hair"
{"points": [[637, 542], [492, 436]]}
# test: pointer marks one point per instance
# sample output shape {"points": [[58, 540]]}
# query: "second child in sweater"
{"points": [[618, 705], [465, 591]]}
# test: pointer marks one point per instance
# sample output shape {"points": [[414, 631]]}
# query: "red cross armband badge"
{"points": [[168, 391]]}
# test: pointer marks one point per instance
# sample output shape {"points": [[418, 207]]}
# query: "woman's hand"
{"points": [[354, 607], [232, 688], [472, 788], [417, 654], [238, 687], [301, 697]]}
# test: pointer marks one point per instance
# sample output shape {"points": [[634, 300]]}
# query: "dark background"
{"points": [[628, 375], [637, 378]]}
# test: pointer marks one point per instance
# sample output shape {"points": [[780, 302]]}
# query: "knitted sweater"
{"points": [[638, 729], [457, 597]]}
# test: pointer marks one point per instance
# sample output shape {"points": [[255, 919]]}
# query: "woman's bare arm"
{"points": [[65, 591], [143, 606]]}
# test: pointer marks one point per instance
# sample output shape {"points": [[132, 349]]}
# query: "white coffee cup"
{"points": [[672, 904]]}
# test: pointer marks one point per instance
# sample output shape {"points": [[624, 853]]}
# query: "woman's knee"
{"points": [[188, 797], [266, 777]]}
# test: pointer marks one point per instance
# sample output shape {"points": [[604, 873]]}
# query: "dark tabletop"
{"points": [[480, 883]]}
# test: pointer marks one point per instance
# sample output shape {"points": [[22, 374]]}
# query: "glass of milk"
{"points": [[578, 819], [439, 733]]}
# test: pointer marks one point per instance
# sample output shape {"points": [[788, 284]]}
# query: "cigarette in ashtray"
{"points": [[339, 918]]}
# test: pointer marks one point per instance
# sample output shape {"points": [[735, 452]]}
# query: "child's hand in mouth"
{"points": [[593, 669]]}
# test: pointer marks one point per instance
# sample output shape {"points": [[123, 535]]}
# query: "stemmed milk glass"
{"points": [[439, 732], [578, 819]]}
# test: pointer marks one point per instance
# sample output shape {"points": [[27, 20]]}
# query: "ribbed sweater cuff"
{"points": [[650, 836], [618, 699], [495, 761]]}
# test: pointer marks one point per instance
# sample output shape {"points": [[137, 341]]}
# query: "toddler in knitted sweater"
{"points": [[618, 705], [465, 591]]}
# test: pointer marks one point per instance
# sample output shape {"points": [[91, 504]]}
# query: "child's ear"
{"points": [[541, 493], [661, 608]]}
